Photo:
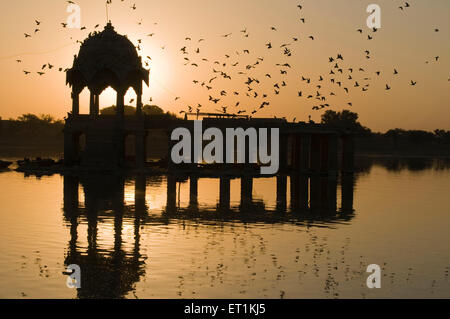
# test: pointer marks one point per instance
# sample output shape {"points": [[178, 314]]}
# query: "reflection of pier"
{"points": [[313, 193], [112, 271]]}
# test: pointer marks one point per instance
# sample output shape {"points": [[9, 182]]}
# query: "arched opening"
{"points": [[84, 99], [108, 101], [108, 98], [130, 100]]}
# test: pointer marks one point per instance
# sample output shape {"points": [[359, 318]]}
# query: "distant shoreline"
{"points": [[379, 147]]}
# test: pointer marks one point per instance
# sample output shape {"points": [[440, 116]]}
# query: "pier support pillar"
{"points": [[281, 192], [246, 191], [299, 192], [295, 152], [224, 196], [324, 145], [193, 191], [315, 153], [333, 154], [305, 150], [91, 103], [348, 154], [120, 134], [295, 191], [171, 194]]}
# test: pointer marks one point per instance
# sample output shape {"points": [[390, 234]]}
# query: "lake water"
{"points": [[169, 243]]}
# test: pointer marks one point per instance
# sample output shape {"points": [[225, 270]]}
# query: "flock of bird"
{"points": [[252, 95]]}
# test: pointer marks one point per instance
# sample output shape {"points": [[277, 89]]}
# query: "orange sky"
{"points": [[405, 41]]}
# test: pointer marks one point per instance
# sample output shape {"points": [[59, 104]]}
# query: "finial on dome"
{"points": [[109, 26]]}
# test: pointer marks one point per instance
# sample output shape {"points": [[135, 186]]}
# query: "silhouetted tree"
{"points": [[442, 136], [395, 134], [346, 120]]}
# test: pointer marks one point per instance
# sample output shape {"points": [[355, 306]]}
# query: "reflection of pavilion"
{"points": [[112, 273], [104, 273]]}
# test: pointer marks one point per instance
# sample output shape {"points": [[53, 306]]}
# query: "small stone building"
{"points": [[106, 59]]}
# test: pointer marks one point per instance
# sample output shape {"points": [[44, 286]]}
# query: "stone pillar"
{"points": [[193, 191], [305, 150], [75, 103], [96, 105], [324, 142], [348, 154], [120, 104], [120, 130], [224, 196], [281, 192], [293, 160], [171, 194], [139, 104], [92, 103], [246, 191], [315, 153], [296, 152], [299, 192], [333, 154], [294, 183]]}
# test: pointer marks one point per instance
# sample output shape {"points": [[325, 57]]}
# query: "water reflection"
{"points": [[112, 266], [309, 197], [105, 273], [112, 272], [398, 164]]}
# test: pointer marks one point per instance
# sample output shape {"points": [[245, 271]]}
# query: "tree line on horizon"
{"points": [[47, 126], [349, 120]]}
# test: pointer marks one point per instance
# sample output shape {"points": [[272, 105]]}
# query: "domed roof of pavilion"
{"points": [[107, 59]]}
